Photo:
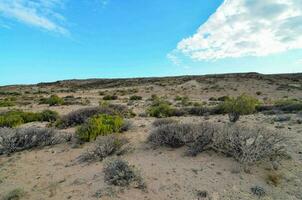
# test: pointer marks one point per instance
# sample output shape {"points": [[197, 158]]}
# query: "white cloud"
{"points": [[39, 13], [247, 28]]}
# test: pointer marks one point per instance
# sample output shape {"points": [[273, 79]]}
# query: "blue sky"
{"points": [[49, 40]]}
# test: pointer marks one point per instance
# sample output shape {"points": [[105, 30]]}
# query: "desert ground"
{"points": [[52, 172]]}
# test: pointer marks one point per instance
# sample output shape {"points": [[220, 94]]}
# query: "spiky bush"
{"points": [[103, 147], [176, 134], [13, 140], [165, 121], [248, 145], [99, 125], [120, 173], [242, 105]]}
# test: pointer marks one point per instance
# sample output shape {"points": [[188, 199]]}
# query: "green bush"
{"points": [[99, 125], [53, 100], [15, 118], [7, 103], [242, 105], [110, 97], [135, 98], [160, 109], [11, 120], [15, 194], [48, 116]]}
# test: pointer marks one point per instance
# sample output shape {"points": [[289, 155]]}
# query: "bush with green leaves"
{"points": [[82, 115], [14, 194], [15, 118], [53, 100], [242, 105], [135, 98], [7, 102], [99, 125], [110, 97], [160, 109]]}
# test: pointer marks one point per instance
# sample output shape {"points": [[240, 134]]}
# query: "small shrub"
{"points": [[242, 105], [176, 135], [223, 98], [110, 97], [120, 173], [274, 178], [7, 103], [135, 98], [48, 116], [160, 109], [15, 194], [103, 147], [53, 100], [258, 93], [13, 140], [258, 191], [99, 125], [10, 120], [197, 111], [165, 121]]}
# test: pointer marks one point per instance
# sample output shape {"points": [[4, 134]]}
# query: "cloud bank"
{"points": [[38, 13], [247, 28]]}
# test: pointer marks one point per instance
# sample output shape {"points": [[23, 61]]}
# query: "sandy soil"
{"points": [[49, 173]]}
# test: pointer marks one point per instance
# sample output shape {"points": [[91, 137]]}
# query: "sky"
{"points": [[49, 40]]}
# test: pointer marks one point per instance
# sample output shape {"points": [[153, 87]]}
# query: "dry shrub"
{"points": [[78, 117], [120, 173], [103, 147], [176, 135], [246, 145], [14, 140], [164, 121]]}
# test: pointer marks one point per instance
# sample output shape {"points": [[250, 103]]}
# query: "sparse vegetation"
{"points": [[13, 140], [99, 125]]}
